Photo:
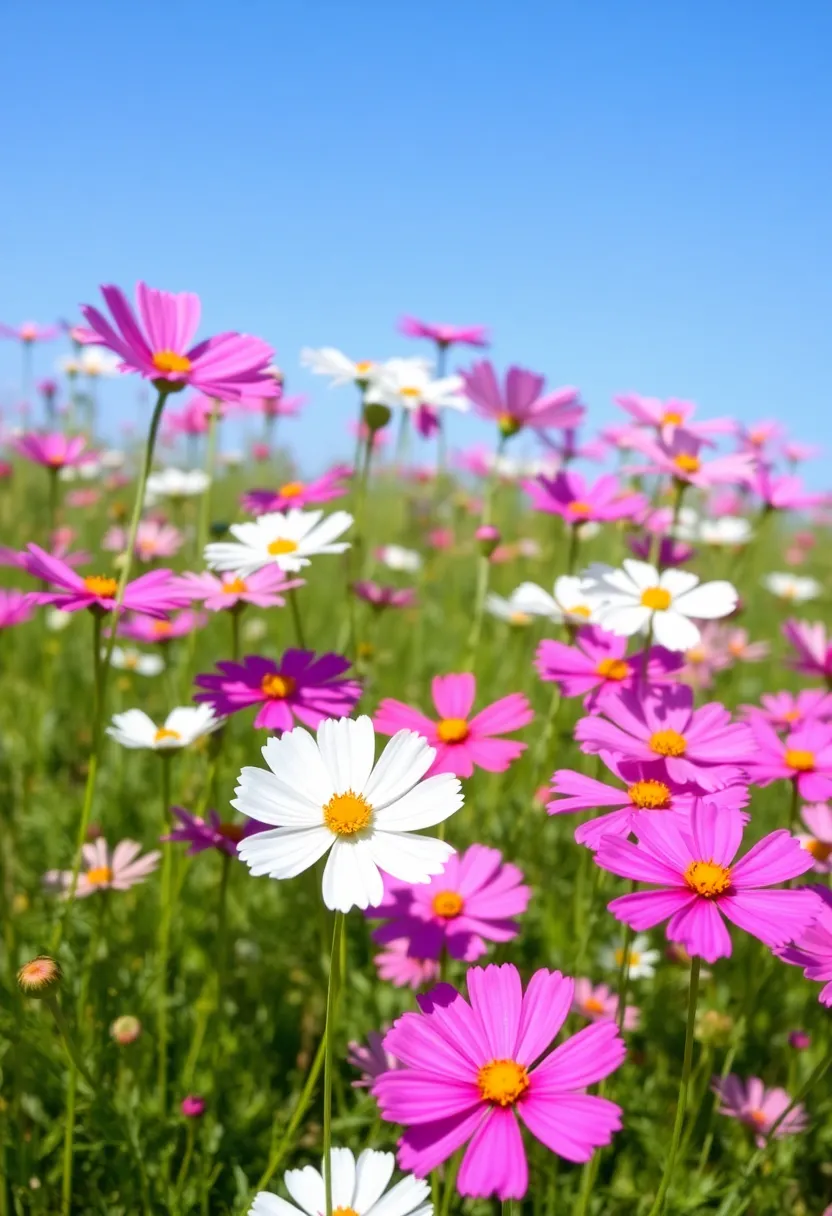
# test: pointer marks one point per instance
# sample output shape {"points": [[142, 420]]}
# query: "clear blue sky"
{"points": [[633, 195]]}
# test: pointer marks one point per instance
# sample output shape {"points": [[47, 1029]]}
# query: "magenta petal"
{"points": [[546, 1004], [589, 1056], [701, 930], [426, 1145], [495, 1160], [497, 997], [571, 1125], [646, 909], [775, 917], [776, 858]]}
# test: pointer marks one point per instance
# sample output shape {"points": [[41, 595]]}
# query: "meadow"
{"points": [[178, 1032]]}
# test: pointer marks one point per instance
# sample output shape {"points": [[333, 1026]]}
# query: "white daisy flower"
{"points": [[792, 587], [571, 600], [639, 597], [642, 959], [181, 727], [177, 483], [508, 610], [95, 361], [57, 620], [87, 470], [286, 539], [408, 383], [727, 530], [133, 660], [359, 1188], [327, 361], [330, 796], [396, 557], [69, 365]]}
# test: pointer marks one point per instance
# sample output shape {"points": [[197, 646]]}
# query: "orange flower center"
{"points": [[668, 743], [452, 730], [163, 733], [410, 390], [593, 1005], [347, 814], [291, 489], [672, 418], [649, 795], [281, 545], [578, 507], [28, 332], [235, 586], [686, 463], [799, 759], [519, 618], [613, 669], [792, 715], [634, 960], [161, 628], [169, 361], [583, 610], [364, 367], [502, 1082], [276, 687], [100, 876], [696, 655], [707, 878], [656, 598], [758, 1117], [100, 584], [448, 904], [344, 1212], [819, 849], [508, 425]]}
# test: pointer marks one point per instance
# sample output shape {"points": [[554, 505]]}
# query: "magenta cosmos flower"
{"points": [[521, 402], [54, 450], [812, 949], [787, 710], [759, 1108], [642, 796], [381, 596], [462, 743], [473, 1070], [681, 458], [818, 842], [813, 648], [157, 344], [302, 685], [473, 901], [153, 540], [211, 833], [578, 502], [804, 757], [30, 332], [149, 594], [16, 606], [144, 628], [698, 882], [784, 493], [395, 966], [597, 1003], [445, 335], [106, 870], [597, 665], [670, 415], [370, 1058], [264, 589], [682, 744], [295, 494]]}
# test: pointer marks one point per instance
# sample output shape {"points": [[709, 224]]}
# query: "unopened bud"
{"points": [[488, 538], [376, 416], [39, 978], [125, 1029], [193, 1106]]}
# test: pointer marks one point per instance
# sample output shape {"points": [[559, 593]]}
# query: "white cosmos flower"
{"points": [[57, 620], [642, 959], [638, 597], [95, 361], [792, 587], [285, 539], [181, 727], [133, 660], [327, 361], [726, 530], [396, 557], [331, 796], [571, 600], [177, 483], [357, 1186], [88, 470], [507, 609], [407, 383]]}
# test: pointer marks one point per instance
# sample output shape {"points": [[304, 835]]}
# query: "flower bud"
{"points": [[125, 1029], [376, 417], [488, 538], [39, 978], [193, 1106], [799, 1040]]}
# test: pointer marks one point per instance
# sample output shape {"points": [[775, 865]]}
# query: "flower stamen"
{"points": [[169, 361], [452, 730], [448, 904], [101, 585], [667, 743], [502, 1082], [649, 795], [280, 546], [655, 598], [613, 669], [347, 814], [277, 687], [708, 878]]}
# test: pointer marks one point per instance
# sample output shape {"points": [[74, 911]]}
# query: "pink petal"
{"points": [[497, 997], [589, 1056], [495, 1160], [646, 909], [546, 1004], [776, 858], [453, 695], [571, 1125], [701, 930]]}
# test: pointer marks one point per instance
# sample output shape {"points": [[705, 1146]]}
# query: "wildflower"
{"points": [[396, 557], [370, 1058], [54, 450], [728, 530], [512, 610], [379, 596], [698, 882], [445, 335], [177, 484], [396, 966], [521, 402], [597, 1003], [295, 494], [142, 628], [799, 1040], [149, 594], [153, 540], [409, 384], [713, 1027], [569, 496], [302, 686], [134, 660], [330, 796], [681, 458], [30, 332], [359, 1188], [759, 1108], [811, 949], [804, 757], [96, 363], [666, 417], [472, 1072], [739, 647], [597, 665], [781, 493], [786, 710], [793, 588], [157, 344], [641, 960], [812, 646], [193, 1106], [327, 361], [105, 869], [288, 540], [572, 600], [16, 606], [264, 589], [181, 728], [125, 1029], [818, 819], [39, 977]]}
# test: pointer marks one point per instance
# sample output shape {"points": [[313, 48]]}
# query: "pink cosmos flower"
{"points": [[597, 1003], [680, 743], [445, 335], [472, 902], [275, 405], [30, 332], [680, 458], [383, 596], [16, 606], [759, 1108], [671, 552], [520, 403], [302, 685], [54, 450], [295, 494], [804, 757], [818, 819], [427, 421], [784, 493], [157, 345], [597, 665], [473, 1070], [666, 417], [105, 870], [567, 448], [698, 882], [370, 1058], [462, 743], [149, 594], [153, 540], [396, 966], [141, 627], [738, 645], [786, 710], [796, 452], [61, 539], [706, 658], [265, 589], [83, 498], [576, 501], [812, 949], [813, 648], [201, 834]]}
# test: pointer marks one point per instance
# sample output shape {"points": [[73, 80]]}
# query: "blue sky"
{"points": [[634, 196]]}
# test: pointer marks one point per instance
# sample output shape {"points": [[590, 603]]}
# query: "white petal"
{"points": [[348, 750], [531, 598], [624, 621], [306, 1187], [404, 761], [296, 762], [409, 857], [642, 573], [284, 852], [403, 1199], [678, 582], [373, 1171], [327, 531], [708, 601], [674, 631], [351, 878], [429, 802], [267, 1204], [343, 1177], [262, 795]]}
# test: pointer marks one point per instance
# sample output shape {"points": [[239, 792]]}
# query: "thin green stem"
{"points": [[483, 564], [450, 1182], [296, 617], [303, 1101], [69, 1141], [164, 944], [329, 1041], [210, 462]]}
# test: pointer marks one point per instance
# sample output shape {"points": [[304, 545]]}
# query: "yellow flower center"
{"points": [[668, 743], [613, 669], [736, 649], [163, 733], [410, 390], [696, 655], [583, 610], [707, 878], [281, 545], [235, 586], [580, 508], [649, 795], [656, 598], [28, 333], [635, 957], [100, 584], [131, 662], [448, 904], [364, 367], [758, 1117], [593, 1005], [792, 715], [452, 730], [502, 1082], [672, 418], [161, 628], [819, 849], [344, 1212], [347, 814], [686, 463], [508, 425], [519, 618], [803, 761], [291, 489], [169, 361], [100, 876], [277, 687]]}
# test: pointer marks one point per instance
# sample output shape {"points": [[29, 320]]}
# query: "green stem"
{"points": [[164, 943], [329, 1041], [69, 1141], [450, 1182], [210, 462], [297, 1115], [235, 632], [483, 563], [293, 604]]}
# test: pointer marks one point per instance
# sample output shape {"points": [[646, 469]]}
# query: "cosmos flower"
{"points": [[177, 483], [666, 417], [597, 665], [462, 742], [818, 843], [359, 1188], [473, 901], [97, 363], [697, 882], [302, 686], [105, 870], [149, 594], [395, 965], [157, 344], [812, 948], [16, 606], [54, 450], [813, 648], [572, 600], [521, 402], [576, 501], [153, 540], [509, 610], [142, 628], [327, 361], [201, 834], [370, 1058], [759, 1108], [804, 757], [681, 459], [379, 596], [473, 1070], [729, 530], [739, 647], [781, 493], [792, 587], [264, 589], [29, 332], [786, 710], [598, 1003], [295, 494], [134, 660], [445, 335], [182, 727], [671, 552], [409, 385], [330, 796], [288, 540], [396, 557], [641, 961]]}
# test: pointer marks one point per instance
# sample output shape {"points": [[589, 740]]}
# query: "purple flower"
{"points": [[812, 949], [445, 335], [578, 502], [200, 834], [302, 685], [521, 403], [381, 596]]}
